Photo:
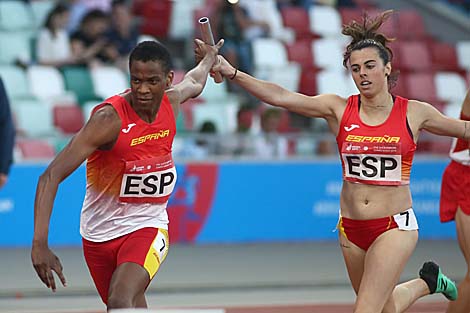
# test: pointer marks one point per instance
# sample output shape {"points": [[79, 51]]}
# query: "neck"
{"points": [[380, 101]]}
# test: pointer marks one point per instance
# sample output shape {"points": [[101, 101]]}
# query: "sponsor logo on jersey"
{"points": [[155, 136]]}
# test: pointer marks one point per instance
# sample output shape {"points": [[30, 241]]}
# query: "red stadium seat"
{"points": [[414, 56], [421, 87], [298, 19], [156, 18], [35, 149], [410, 25], [300, 52], [400, 87], [69, 119], [308, 81], [444, 57]]}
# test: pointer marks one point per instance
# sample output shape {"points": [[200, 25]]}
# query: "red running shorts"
{"points": [[455, 191], [147, 247]]}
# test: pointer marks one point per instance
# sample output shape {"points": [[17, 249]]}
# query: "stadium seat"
{"points": [[223, 116], [301, 52], [297, 19], [444, 57], [328, 53], [463, 52], [15, 15], [187, 110], [181, 21], [335, 82], [421, 87], [33, 118], [48, 85], [450, 86], [108, 81], [414, 56], [68, 119], [214, 92], [157, 27], [325, 21], [78, 80], [15, 46], [35, 149], [87, 108], [410, 25], [16, 83], [308, 81], [400, 86], [269, 52]]}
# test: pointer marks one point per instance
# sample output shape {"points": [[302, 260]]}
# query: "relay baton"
{"points": [[208, 38]]}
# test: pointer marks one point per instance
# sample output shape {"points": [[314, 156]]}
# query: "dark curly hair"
{"points": [[152, 51], [366, 34]]}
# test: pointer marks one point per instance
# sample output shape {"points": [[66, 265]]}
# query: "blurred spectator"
{"points": [[267, 20], [7, 133], [270, 143], [203, 145], [90, 41], [242, 143], [123, 34], [79, 8], [230, 21], [53, 42]]}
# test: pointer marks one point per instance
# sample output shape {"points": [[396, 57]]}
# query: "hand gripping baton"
{"points": [[208, 38]]}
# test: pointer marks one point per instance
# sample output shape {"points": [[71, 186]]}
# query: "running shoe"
{"points": [[437, 281]]}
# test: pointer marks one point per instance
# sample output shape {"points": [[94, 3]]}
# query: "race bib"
{"points": [[372, 163], [150, 180], [406, 220]]}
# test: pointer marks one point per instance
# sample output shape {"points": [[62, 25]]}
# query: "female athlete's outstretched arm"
{"points": [[325, 106]]}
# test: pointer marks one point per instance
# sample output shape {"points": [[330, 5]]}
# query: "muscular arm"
{"points": [[194, 81], [102, 128], [88, 139], [429, 118], [328, 106]]}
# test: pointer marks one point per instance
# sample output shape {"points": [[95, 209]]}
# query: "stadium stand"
{"points": [[303, 53]]}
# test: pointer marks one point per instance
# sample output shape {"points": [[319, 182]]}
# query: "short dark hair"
{"points": [[151, 51]]}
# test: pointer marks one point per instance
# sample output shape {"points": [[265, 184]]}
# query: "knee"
{"points": [[119, 301]]}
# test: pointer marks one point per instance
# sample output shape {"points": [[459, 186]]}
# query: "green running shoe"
{"points": [[438, 282]]}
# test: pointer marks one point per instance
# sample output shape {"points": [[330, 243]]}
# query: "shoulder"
{"points": [[106, 113], [419, 107]]}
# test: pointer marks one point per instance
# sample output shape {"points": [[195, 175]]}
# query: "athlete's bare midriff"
{"points": [[361, 202]]}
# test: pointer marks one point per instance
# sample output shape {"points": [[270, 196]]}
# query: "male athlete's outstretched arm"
{"points": [[194, 80], [88, 139]]}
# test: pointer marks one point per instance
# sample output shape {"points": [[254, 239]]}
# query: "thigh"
{"points": [[100, 258], [354, 261], [384, 263], [138, 260]]}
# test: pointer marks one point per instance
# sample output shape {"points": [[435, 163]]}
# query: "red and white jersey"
{"points": [[129, 185], [460, 151], [379, 154]]}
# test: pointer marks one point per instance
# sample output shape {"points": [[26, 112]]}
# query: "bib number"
{"points": [[406, 220], [150, 180], [367, 162]]}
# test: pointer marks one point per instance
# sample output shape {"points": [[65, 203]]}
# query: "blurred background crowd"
{"points": [[58, 59]]}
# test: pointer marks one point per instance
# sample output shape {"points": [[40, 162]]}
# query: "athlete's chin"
{"points": [[367, 92]]}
